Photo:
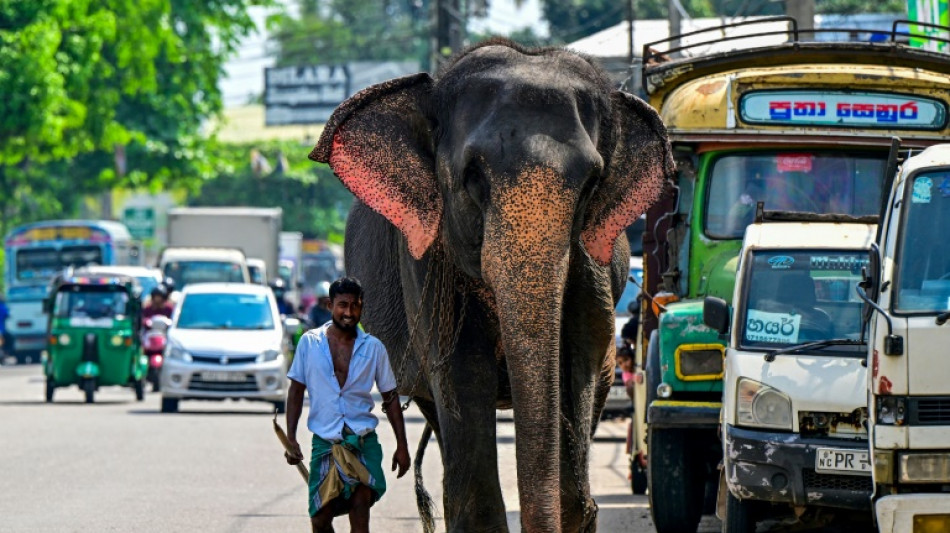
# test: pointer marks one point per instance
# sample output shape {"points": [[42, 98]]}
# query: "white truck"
{"points": [[908, 286], [289, 268], [794, 406], [254, 231]]}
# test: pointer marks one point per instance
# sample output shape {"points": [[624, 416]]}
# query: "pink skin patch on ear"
{"points": [[599, 238], [373, 181]]}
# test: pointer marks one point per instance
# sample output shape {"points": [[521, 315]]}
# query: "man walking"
{"points": [[337, 365]]}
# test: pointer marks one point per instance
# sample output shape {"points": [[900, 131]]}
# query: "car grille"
{"points": [[198, 384], [932, 410], [816, 481], [223, 359]]}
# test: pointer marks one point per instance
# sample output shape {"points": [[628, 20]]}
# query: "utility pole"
{"points": [[448, 19], [803, 11], [631, 16], [675, 23]]}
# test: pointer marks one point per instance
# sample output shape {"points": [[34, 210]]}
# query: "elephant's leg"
{"points": [[587, 336], [465, 391]]}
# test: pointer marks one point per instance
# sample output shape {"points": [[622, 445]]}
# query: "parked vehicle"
{"points": [[226, 341], [36, 252], [290, 268], [93, 333], [909, 288], [154, 340], [147, 277], [794, 410], [253, 230], [203, 265], [257, 269], [803, 125]]}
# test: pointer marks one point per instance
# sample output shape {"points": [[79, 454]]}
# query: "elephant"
{"points": [[490, 203]]}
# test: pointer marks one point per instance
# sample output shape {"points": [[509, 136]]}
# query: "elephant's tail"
{"points": [[423, 500]]}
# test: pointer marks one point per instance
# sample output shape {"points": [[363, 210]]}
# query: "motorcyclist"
{"points": [[320, 312], [280, 294]]}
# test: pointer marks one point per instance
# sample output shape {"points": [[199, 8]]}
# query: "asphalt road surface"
{"points": [[121, 465]]}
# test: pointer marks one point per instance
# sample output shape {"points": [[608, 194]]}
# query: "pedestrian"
{"points": [[337, 364], [5, 339], [320, 312]]}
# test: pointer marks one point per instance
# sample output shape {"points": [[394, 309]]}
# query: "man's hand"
{"points": [[294, 455], [401, 460]]}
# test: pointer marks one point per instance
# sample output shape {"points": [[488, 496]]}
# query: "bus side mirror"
{"points": [[48, 305], [716, 314], [870, 282]]}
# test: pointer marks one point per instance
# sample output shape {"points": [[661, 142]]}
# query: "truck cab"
{"points": [[909, 382], [187, 265], [794, 400]]}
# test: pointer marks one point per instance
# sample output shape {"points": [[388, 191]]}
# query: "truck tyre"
{"points": [[89, 387], [638, 477], [739, 516], [169, 405], [50, 387], [653, 372], [676, 487]]}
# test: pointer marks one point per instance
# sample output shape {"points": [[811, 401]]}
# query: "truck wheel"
{"points": [[638, 477], [50, 387], [169, 405], [653, 367], [89, 387], [739, 516], [139, 387], [676, 486]]}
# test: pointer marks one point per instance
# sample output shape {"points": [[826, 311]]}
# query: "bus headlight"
{"points": [[759, 405]]}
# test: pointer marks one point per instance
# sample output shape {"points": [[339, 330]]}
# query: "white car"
{"points": [[226, 341]]}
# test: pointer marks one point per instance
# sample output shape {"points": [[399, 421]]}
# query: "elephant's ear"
{"points": [[379, 144], [641, 163]]}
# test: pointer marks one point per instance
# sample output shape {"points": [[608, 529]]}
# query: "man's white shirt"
{"points": [[332, 406]]}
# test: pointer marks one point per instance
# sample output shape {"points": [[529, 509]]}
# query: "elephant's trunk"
{"points": [[525, 261]]}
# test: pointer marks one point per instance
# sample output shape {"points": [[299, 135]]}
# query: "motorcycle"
{"points": [[154, 339]]}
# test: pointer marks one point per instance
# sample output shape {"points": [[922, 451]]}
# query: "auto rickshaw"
{"points": [[94, 327]]}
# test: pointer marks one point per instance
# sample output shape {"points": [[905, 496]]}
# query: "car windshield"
{"points": [[225, 311], [630, 291], [42, 263], [187, 272], [78, 301], [815, 182], [923, 270], [802, 296]]}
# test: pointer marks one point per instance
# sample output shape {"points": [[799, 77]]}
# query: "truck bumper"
{"points": [[780, 468], [896, 514], [690, 415]]}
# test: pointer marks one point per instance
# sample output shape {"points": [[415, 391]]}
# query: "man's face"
{"points": [[346, 310], [158, 301]]}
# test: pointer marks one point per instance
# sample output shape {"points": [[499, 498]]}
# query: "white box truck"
{"points": [[291, 251], [253, 230]]}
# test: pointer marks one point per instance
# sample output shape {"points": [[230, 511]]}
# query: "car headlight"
{"points": [[762, 406], [178, 353], [268, 355]]}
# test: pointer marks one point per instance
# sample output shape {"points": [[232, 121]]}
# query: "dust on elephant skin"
{"points": [[487, 233]]}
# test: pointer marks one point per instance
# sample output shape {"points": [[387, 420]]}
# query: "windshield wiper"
{"points": [[769, 357]]}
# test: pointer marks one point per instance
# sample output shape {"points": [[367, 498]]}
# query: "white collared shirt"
{"points": [[330, 405]]}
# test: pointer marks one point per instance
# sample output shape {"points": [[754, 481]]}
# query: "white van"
{"points": [[186, 265], [909, 282], [794, 404]]}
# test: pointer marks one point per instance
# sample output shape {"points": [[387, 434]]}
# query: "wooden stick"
{"points": [[282, 437]]}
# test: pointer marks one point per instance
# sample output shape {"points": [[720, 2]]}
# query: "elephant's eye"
{"points": [[476, 183]]}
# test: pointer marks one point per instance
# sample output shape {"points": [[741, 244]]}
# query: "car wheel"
{"points": [[50, 388], [169, 405], [638, 477]]}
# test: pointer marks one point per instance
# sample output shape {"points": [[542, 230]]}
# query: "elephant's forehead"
{"points": [[506, 65]]}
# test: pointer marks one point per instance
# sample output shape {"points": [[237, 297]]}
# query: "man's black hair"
{"points": [[346, 286]]}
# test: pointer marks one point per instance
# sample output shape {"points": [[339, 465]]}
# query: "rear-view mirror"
{"points": [[716, 314], [48, 305]]}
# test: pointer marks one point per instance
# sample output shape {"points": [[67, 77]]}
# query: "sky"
{"points": [[244, 74]]}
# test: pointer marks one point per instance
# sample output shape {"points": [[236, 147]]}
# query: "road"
{"points": [[120, 465]]}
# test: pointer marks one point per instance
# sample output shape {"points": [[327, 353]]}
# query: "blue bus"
{"points": [[36, 252]]}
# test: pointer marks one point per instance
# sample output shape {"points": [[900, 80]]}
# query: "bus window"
{"points": [[77, 256]]}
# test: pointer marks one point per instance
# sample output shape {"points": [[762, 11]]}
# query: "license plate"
{"points": [[838, 461], [617, 393], [224, 376]]}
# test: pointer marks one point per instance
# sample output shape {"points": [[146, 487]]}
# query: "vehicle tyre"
{"points": [[638, 477], [89, 387], [139, 387], [739, 516], [280, 407], [156, 385], [654, 376], [50, 387], [169, 405], [676, 485]]}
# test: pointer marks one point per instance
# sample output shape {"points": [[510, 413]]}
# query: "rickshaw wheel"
{"points": [[139, 387], [50, 387], [89, 387]]}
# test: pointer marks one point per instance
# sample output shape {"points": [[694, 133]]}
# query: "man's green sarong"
{"points": [[336, 469]]}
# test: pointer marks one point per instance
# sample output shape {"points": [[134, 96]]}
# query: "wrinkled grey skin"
{"points": [[487, 234]]}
